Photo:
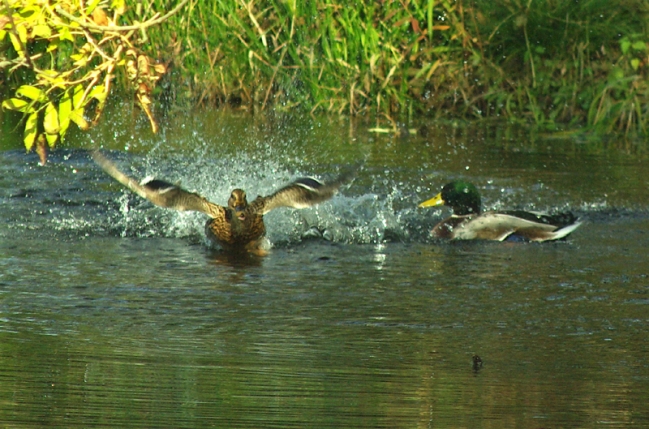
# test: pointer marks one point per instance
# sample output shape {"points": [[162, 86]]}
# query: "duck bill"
{"points": [[241, 214], [437, 200]]}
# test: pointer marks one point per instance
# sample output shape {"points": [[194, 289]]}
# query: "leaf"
{"points": [[65, 109], [79, 60], [51, 139], [639, 45], [635, 63], [16, 44], [91, 6], [51, 121], [16, 104], [77, 96], [31, 126], [99, 17], [64, 34], [42, 30], [22, 33], [30, 92], [77, 117], [53, 46], [98, 92], [625, 44], [47, 77], [160, 69], [118, 6]]}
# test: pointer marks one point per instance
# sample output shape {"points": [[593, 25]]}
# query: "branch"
{"points": [[10, 15], [141, 26]]}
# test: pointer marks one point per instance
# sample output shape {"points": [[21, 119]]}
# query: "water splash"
{"points": [[352, 216]]}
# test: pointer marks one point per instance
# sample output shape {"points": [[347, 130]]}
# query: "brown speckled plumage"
{"points": [[239, 226]]}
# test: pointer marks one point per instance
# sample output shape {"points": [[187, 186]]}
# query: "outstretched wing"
{"points": [[159, 192], [304, 192]]}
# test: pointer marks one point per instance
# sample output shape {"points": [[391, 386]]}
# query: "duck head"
{"points": [[461, 196], [238, 203]]}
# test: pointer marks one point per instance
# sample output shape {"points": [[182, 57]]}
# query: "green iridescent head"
{"points": [[461, 196]]}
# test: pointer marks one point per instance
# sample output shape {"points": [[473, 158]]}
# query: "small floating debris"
{"points": [[477, 363], [399, 131]]}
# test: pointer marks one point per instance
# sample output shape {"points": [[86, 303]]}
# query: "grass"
{"points": [[554, 63]]}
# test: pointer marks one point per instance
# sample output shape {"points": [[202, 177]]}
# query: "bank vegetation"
{"points": [[556, 64]]}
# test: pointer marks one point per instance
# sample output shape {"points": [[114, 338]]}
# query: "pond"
{"points": [[116, 313]]}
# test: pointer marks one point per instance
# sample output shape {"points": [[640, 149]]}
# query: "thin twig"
{"points": [[140, 26], [23, 48]]}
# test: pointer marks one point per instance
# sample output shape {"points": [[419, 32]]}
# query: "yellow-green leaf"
{"points": [[42, 30], [16, 44], [91, 6], [30, 11], [98, 93], [635, 63], [77, 117], [31, 92], [77, 96], [22, 33], [51, 139], [119, 6], [51, 122], [46, 77], [53, 46], [31, 126], [16, 104], [64, 34], [79, 60], [65, 108]]}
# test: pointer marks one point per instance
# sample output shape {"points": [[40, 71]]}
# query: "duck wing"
{"points": [[530, 226], [160, 192], [559, 220], [302, 193]]}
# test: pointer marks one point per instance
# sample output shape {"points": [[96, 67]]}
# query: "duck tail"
{"points": [[565, 231]]}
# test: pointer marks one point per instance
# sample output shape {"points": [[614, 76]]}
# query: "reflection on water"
{"points": [[114, 313]]}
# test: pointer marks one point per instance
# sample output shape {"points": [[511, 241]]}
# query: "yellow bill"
{"points": [[437, 200]]}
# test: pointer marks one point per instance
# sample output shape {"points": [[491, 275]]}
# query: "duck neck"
{"points": [[466, 210]]}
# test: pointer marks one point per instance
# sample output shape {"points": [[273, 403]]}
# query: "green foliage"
{"points": [[328, 55], [579, 62], [547, 61], [60, 58]]}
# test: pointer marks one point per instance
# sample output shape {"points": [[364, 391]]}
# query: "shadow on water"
{"points": [[234, 260], [114, 312]]}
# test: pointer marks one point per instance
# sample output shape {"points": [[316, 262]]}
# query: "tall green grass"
{"points": [[548, 62]]}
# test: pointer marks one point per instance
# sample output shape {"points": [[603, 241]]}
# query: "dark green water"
{"points": [[114, 313]]}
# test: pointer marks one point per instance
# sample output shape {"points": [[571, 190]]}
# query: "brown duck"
{"points": [[239, 227]]}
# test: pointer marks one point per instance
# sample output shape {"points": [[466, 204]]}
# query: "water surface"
{"points": [[115, 313]]}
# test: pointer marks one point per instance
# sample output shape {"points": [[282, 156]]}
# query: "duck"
{"points": [[238, 227], [468, 222]]}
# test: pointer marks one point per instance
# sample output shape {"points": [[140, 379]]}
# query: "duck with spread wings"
{"points": [[239, 227]]}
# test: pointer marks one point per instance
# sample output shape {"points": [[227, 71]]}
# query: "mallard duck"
{"points": [[469, 223], [239, 227]]}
